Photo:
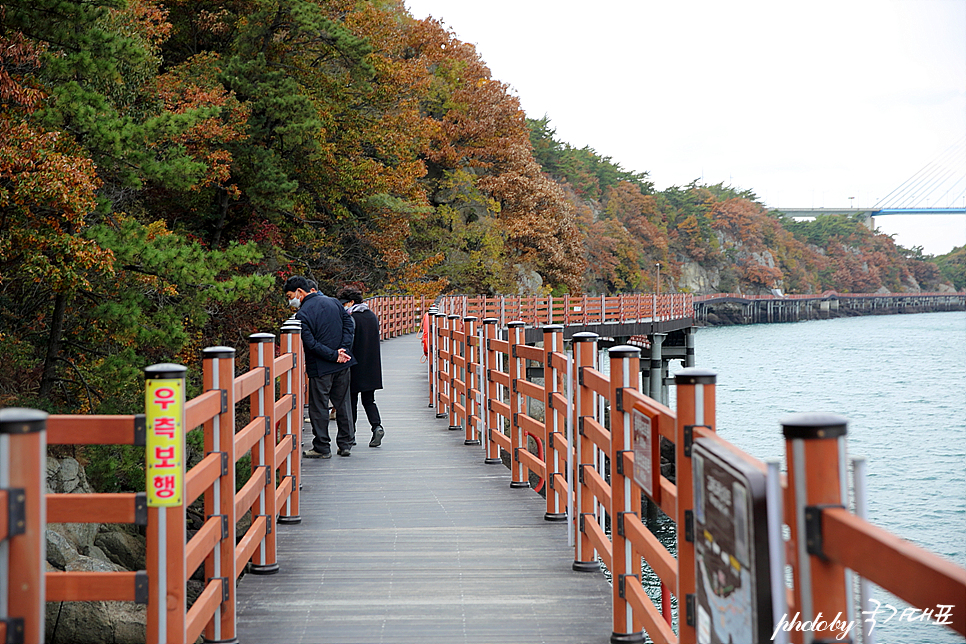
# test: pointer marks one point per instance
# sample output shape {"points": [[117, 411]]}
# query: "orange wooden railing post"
{"points": [[291, 469], [23, 472], [556, 456], [815, 451], [262, 356], [219, 374], [164, 400], [491, 392], [442, 365], [625, 495], [430, 331], [585, 355], [472, 380], [695, 407], [455, 354], [519, 476]]}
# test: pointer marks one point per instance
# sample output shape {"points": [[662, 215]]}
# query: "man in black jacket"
{"points": [[367, 374], [327, 338]]}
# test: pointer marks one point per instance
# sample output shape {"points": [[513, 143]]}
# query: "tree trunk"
{"points": [[223, 202], [53, 344]]}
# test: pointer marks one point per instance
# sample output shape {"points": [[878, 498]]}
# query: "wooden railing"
{"points": [[398, 315], [537, 311], [271, 493], [597, 449]]}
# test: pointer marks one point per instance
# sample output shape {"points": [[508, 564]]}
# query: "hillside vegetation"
{"points": [[163, 165]]}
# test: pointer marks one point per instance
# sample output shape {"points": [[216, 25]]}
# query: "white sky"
{"points": [[805, 103]]}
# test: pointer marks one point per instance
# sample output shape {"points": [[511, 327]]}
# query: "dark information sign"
{"points": [[733, 599]]}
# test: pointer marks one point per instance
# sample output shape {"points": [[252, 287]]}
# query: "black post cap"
{"points": [[490, 320], [552, 328], [261, 337], [453, 316], [165, 370], [695, 376], [814, 425], [470, 318], [20, 420], [210, 353], [624, 351], [516, 324], [585, 336]]}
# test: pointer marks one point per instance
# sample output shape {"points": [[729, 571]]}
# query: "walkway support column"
{"points": [[167, 530], [23, 472], [657, 367], [585, 355], [520, 477], [262, 356], [625, 495], [219, 373], [556, 451], [695, 407], [492, 392], [815, 450]]}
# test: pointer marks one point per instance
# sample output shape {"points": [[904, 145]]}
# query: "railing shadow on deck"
{"points": [[599, 452]]}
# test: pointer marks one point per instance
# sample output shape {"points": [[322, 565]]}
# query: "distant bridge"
{"points": [[868, 214], [941, 181]]}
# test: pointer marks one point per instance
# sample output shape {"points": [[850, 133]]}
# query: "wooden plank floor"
{"points": [[419, 541]]}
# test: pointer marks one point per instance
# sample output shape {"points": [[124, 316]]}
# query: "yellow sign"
{"points": [[164, 411]]}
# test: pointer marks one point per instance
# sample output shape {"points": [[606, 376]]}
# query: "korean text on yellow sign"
{"points": [[164, 411]]}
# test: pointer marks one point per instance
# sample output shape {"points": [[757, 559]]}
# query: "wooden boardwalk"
{"points": [[419, 541]]}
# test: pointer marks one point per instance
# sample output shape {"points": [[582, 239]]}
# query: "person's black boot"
{"points": [[377, 433]]}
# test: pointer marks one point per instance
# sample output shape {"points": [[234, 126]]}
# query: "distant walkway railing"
{"points": [[831, 295], [537, 311], [273, 386], [593, 440]]}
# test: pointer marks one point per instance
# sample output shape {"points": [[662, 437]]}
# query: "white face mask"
{"points": [[295, 303]]}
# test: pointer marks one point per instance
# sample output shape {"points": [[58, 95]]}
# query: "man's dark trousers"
{"points": [[331, 389]]}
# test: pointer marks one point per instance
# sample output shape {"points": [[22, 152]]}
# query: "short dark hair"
{"points": [[295, 283], [348, 294], [313, 286]]}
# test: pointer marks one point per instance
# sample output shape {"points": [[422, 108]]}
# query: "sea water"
{"points": [[900, 381]]}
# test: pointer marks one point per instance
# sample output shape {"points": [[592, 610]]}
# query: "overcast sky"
{"points": [[805, 103]]}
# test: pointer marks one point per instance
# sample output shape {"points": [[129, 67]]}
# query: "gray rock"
{"points": [[66, 476], [60, 551], [80, 535], [95, 622], [124, 549]]}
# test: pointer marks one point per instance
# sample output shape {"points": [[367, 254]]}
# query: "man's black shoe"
{"points": [[377, 433], [344, 452]]}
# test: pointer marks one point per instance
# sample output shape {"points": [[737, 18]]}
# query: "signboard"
{"points": [[646, 454], [164, 413], [733, 597]]}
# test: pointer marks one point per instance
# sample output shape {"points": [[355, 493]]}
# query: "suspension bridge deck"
{"points": [[419, 541]]}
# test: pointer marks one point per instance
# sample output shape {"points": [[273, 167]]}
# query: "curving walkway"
{"points": [[419, 541]]}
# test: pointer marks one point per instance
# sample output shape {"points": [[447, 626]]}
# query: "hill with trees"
{"points": [[164, 165]]}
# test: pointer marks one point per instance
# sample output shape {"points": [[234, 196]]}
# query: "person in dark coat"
{"points": [[367, 373], [327, 339]]}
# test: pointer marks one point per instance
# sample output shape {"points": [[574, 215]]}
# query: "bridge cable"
{"points": [[932, 177]]}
